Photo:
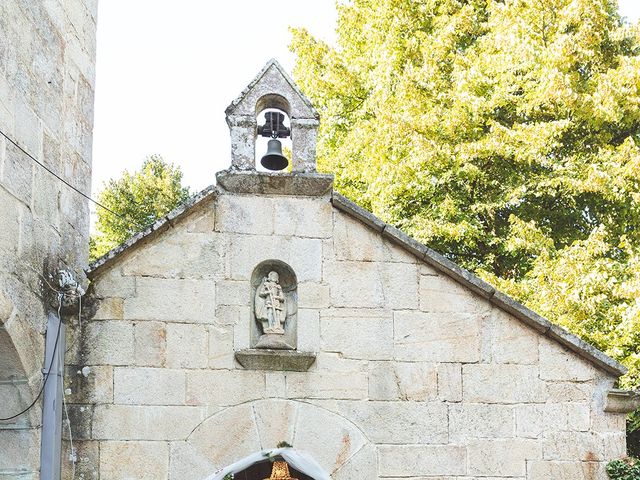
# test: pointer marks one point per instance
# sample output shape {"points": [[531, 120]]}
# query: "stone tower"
{"points": [[47, 72]]}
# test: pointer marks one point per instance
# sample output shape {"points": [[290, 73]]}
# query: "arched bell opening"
{"points": [[273, 141]]}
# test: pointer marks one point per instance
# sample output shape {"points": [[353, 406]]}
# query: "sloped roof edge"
{"points": [[285, 75], [479, 286], [159, 226], [431, 257]]}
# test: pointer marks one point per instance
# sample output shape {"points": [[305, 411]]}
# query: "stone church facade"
{"points": [[271, 309]]}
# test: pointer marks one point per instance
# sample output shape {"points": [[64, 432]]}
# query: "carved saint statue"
{"points": [[270, 304]]}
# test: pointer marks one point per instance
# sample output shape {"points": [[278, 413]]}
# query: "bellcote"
{"points": [[272, 88]]}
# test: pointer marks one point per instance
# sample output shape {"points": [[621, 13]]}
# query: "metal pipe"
{"points": [[51, 435]]}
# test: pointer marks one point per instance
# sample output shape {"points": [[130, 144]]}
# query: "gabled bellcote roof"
{"points": [[272, 78]]}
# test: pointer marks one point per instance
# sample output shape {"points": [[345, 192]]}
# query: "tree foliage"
{"points": [[503, 133], [138, 199]]}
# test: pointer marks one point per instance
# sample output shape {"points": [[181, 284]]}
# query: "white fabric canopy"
{"points": [[301, 461]]}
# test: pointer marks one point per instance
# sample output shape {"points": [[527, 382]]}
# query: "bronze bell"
{"points": [[280, 471], [274, 159]]}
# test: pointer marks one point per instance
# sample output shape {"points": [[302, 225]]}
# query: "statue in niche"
{"points": [[275, 302], [270, 304]]}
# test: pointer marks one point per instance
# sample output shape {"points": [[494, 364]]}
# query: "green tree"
{"points": [[138, 199], [503, 133]]}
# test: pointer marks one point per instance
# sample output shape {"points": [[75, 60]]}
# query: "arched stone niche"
{"points": [[335, 443], [272, 88], [269, 278]]}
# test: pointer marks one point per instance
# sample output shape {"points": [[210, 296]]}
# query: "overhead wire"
{"points": [[80, 192]]}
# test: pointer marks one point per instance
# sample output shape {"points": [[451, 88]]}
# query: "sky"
{"points": [[167, 69]]}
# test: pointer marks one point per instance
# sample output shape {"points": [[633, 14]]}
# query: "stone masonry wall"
{"points": [[415, 377], [47, 58]]}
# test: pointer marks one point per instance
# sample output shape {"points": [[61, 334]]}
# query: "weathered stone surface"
{"points": [[304, 255], [281, 360], [230, 292], [448, 337], [529, 420], [542, 470], [363, 464], [354, 284], [502, 457], [96, 387], [228, 436], [421, 460], [511, 341], [353, 241], [501, 384], [186, 346], [572, 446], [273, 427], [360, 338], [150, 343], [110, 308], [450, 382], [220, 347], [87, 465], [174, 300], [304, 217], [148, 386], [111, 283], [177, 254], [224, 387], [187, 462], [400, 285], [327, 384], [315, 426], [132, 422], [275, 384], [399, 422], [405, 381], [249, 214], [110, 343], [313, 295], [439, 293], [308, 330], [558, 364], [19, 448], [474, 420], [134, 460]]}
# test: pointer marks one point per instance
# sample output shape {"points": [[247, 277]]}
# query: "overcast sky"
{"points": [[167, 69]]}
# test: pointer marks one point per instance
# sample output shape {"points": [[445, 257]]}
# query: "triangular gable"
{"points": [[272, 78], [424, 253]]}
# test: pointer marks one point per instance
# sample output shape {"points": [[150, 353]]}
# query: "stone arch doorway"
{"points": [[262, 471], [337, 445]]}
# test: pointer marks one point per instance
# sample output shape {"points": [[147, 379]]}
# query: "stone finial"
{"points": [[272, 88]]}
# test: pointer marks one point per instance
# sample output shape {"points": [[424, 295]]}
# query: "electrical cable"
{"points": [[44, 383], [13, 142]]}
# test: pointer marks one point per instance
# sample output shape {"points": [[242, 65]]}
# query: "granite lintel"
{"points": [[308, 184], [280, 360]]}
